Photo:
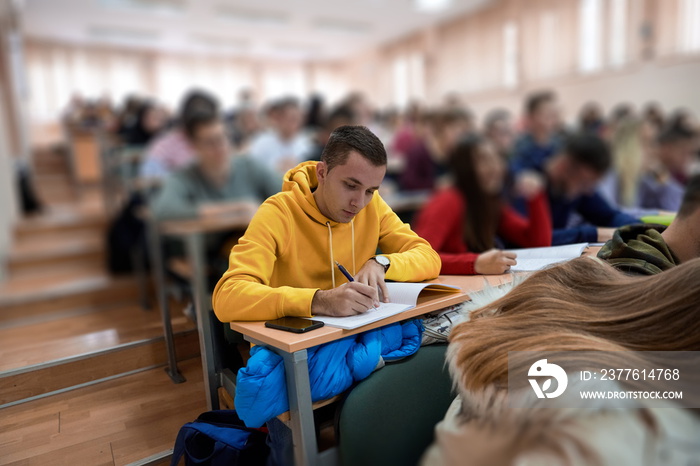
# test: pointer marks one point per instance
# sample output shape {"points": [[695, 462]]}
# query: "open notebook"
{"points": [[403, 296], [533, 259]]}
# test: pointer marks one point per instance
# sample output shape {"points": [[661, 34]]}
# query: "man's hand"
{"points": [[372, 274], [529, 184], [605, 234], [494, 262], [346, 300]]}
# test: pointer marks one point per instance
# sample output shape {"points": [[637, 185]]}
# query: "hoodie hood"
{"points": [[301, 181], [639, 250]]}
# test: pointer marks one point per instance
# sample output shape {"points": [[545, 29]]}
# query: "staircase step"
{"points": [[22, 385], [114, 423], [80, 333], [32, 299], [60, 220], [67, 251]]}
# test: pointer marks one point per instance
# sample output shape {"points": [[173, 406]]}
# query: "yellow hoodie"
{"points": [[288, 250]]}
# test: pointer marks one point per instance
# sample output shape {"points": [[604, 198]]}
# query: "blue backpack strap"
{"points": [[179, 448]]}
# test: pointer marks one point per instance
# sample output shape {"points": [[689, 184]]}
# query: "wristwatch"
{"points": [[383, 261]]}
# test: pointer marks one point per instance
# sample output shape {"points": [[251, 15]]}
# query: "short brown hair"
{"points": [[345, 139]]}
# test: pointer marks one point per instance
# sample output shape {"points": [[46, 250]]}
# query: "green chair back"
{"points": [[389, 418]]}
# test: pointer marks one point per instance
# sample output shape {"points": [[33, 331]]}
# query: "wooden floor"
{"points": [[112, 423], [64, 322]]}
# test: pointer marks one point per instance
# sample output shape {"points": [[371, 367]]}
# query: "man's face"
{"points": [[546, 118], [501, 135], [578, 179], [289, 121], [211, 144], [678, 156], [344, 191]]}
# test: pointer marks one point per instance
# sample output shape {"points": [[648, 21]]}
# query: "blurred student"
{"points": [[540, 141], [633, 144], [172, 150], [591, 120], [464, 223], [426, 162], [150, 120], [339, 116], [283, 145], [216, 183], [498, 129], [650, 249], [663, 184], [572, 176]]}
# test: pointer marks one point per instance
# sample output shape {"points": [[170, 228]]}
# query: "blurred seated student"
{"points": [[463, 223], [426, 161], [662, 186], [650, 249], [339, 116], [632, 144], [405, 136], [572, 176], [243, 128], [498, 130], [590, 119], [610, 320], [172, 150], [283, 145], [540, 141], [150, 120], [215, 183]]}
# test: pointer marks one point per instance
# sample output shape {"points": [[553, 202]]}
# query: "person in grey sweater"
{"points": [[216, 183]]}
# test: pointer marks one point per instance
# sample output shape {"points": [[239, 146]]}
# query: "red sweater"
{"points": [[441, 222]]}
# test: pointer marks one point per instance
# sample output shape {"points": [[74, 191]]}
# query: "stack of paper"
{"points": [[403, 296], [533, 259]]}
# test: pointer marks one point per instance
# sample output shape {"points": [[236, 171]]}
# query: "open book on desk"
{"points": [[404, 296], [532, 259]]}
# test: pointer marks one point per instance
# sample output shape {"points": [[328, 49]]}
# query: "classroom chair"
{"points": [[389, 418]]}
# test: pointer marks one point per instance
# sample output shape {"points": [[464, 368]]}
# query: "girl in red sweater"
{"points": [[462, 222]]}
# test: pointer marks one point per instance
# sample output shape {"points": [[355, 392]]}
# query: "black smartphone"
{"points": [[294, 324]]}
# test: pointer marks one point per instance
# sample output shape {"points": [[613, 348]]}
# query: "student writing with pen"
{"points": [[284, 265]]}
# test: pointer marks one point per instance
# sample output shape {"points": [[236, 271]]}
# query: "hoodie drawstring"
{"points": [[330, 243]]}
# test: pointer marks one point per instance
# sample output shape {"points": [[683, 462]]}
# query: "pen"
{"points": [[345, 272]]}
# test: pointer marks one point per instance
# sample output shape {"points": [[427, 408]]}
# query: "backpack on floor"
{"points": [[220, 438]]}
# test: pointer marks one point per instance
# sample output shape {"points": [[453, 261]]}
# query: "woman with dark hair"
{"points": [[150, 120], [464, 222]]}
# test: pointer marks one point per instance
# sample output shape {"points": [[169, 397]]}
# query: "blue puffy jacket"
{"points": [[261, 387]]}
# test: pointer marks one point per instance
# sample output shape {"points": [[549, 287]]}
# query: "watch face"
{"points": [[382, 260]]}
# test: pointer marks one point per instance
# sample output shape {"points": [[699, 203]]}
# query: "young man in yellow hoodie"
{"points": [[327, 211]]}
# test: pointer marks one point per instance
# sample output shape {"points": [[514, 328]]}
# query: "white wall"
{"points": [[671, 83]]}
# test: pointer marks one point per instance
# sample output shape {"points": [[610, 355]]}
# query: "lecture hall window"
{"points": [[617, 31], [590, 33], [510, 54], [689, 26]]}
